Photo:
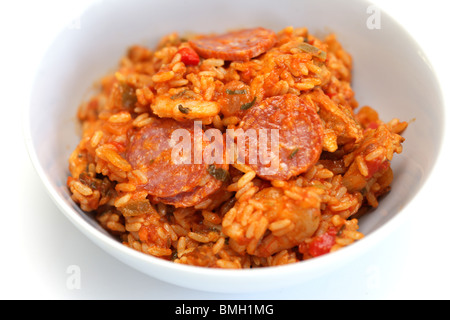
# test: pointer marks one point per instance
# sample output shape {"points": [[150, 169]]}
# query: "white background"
{"points": [[38, 244]]}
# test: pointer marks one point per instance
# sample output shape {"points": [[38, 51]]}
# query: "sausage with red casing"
{"points": [[240, 45], [294, 122]]}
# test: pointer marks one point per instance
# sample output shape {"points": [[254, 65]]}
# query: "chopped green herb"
{"points": [[322, 55], [174, 255], [292, 155], [178, 95], [316, 52], [243, 91], [183, 109], [218, 173], [129, 98], [341, 230], [248, 105]]}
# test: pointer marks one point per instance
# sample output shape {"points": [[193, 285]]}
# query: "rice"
{"points": [[248, 221]]}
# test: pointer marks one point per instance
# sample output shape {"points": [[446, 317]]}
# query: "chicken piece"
{"points": [[274, 219], [340, 125]]}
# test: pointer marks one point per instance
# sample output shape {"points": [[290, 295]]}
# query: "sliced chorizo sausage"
{"points": [[241, 45], [281, 137], [151, 150], [206, 187], [214, 178]]}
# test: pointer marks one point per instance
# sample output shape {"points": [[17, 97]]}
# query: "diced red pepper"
{"points": [[323, 244], [373, 125], [188, 56], [119, 146], [376, 165], [148, 234], [331, 94]]}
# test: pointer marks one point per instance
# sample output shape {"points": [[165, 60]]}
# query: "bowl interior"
{"points": [[391, 74]]}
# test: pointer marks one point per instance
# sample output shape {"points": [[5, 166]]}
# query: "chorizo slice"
{"points": [[207, 187], [215, 175], [151, 150], [282, 137], [240, 45]]}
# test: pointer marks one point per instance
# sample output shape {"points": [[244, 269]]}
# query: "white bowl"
{"points": [[391, 74]]}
